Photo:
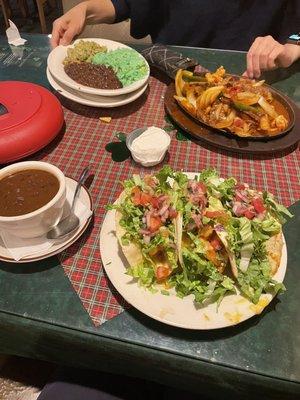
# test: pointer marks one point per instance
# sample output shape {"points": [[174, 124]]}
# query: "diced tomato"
{"points": [[155, 224], [202, 186], [216, 243], [172, 213], [258, 205], [162, 272], [140, 198], [249, 214], [136, 196], [145, 199], [155, 203]]}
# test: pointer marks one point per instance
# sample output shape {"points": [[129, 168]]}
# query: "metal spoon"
{"points": [[71, 222]]}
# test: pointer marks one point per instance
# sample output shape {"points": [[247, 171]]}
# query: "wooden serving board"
{"points": [[230, 142]]}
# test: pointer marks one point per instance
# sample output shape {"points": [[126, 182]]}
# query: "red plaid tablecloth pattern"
{"points": [[83, 143]]}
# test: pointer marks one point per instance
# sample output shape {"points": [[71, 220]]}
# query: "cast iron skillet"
{"points": [[287, 111]]}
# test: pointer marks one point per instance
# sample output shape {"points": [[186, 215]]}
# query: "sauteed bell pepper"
{"points": [[244, 107]]}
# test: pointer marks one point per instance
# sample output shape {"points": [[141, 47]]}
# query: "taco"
{"points": [[203, 257], [251, 233], [146, 227]]}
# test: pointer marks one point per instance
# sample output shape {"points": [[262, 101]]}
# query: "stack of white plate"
{"points": [[86, 95]]}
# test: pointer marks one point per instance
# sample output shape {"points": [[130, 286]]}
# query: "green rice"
{"points": [[128, 65]]}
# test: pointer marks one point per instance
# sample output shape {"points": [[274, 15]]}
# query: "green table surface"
{"points": [[42, 317]]}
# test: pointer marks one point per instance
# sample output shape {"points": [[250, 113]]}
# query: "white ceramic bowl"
{"points": [[56, 67], [40, 221]]}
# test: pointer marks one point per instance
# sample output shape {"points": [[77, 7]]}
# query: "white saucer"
{"points": [[94, 100], [56, 67], [86, 199]]}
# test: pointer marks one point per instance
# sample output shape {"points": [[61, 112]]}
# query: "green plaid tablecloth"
{"points": [[84, 143]]}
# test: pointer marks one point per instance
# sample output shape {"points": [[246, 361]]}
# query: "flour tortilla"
{"points": [[132, 251], [274, 251]]}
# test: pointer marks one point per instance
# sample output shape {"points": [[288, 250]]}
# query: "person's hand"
{"points": [[267, 54], [68, 25]]}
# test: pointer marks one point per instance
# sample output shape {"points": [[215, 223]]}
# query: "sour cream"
{"points": [[149, 147]]}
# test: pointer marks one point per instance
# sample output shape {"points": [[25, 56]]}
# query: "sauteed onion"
{"points": [[238, 105]]}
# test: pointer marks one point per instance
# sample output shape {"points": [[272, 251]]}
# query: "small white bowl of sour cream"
{"points": [[148, 146]]}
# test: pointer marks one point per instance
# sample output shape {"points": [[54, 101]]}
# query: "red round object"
{"points": [[30, 117]]}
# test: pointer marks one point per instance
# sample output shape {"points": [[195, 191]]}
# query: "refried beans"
{"points": [[95, 76]]}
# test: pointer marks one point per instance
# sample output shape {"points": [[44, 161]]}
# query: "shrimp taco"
{"points": [[203, 256], [249, 225]]}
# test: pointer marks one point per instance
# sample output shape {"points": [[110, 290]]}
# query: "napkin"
{"points": [[19, 248], [13, 35], [170, 61]]}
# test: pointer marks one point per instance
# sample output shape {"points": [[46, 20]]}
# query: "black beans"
{"points": [[95, 76], [25, 191]]}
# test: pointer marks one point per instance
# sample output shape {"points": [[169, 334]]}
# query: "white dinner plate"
{"points": [[56, 67], [171, 309], [94, 100], [86, 199]]}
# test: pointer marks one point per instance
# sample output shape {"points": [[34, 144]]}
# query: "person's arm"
{"points": [[267, 54], [72, 22]]}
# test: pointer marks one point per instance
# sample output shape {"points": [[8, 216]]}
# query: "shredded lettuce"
{"points": [[226, 189], [143, 272], [247, 243], [266, 228], [208, 174], [215, 204], [278, 210], [137, 180], [201, 278], [129, 184], [258, 280], [180, 178], [163, 177], [218, 187], [233, 235], [175, 195]]}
